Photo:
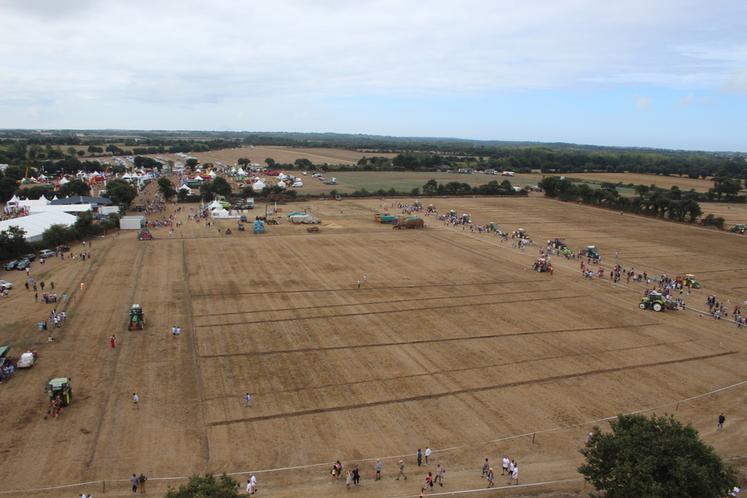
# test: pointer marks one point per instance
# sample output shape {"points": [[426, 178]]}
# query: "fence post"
{"points": [[103, 486], [533, 436]]}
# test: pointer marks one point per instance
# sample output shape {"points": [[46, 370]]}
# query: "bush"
{"points": [[206, 486]]}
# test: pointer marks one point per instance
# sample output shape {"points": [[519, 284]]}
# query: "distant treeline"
{"points": [[22, 147], [672, 204]]}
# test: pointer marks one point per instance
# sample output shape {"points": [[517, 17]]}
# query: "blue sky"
{"points": [[667, 73]]}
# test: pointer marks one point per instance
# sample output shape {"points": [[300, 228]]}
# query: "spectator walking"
{"points": [[141, 483], [505, 464], [134, 482], [514, 474], [420, 457], [247, 400], [379, 468], [356, 475], [401, 470], [427, 454], [440, 473], [113, 341], [491, 478], [135, 400], [721, 420], [485, 469]]}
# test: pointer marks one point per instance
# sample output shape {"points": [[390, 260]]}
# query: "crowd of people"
{"points": [[430, 478]]}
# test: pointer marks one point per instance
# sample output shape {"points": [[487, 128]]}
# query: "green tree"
{"points": [[192, 163], [13, 242], [221, 187], [270, 162], [75, 187], [206, 486], [654, 457], [7, 187], [121, 192], [243, 161], [166, 187], [56, 235], [303, 164]]}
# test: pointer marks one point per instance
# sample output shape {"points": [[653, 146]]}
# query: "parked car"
{"points": [[11, 265], [23, 264], [30, 256], [47, 253], [63, 248], [4, 284]]}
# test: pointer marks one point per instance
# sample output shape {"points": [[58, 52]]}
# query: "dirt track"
{"points": [[453, 342]]}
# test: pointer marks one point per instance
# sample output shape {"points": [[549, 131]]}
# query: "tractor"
{"points": [[591, 252], [520, 233], [241, 227], [259, 226], [558, 243], [567, 252], [691, 281], [739, 228], [144, 234], [654, 301], [60, 392], [542, 265], [409, 222], [137, 321]]}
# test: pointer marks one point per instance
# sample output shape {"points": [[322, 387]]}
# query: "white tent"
{"points": [[281, 184], [35, 224], [258, 186], [64, 181], [215, 205], [241, 172], [213, 174]]}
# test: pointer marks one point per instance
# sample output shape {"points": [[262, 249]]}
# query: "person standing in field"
{"points": [[491, 478], [427, 454], [135, 400], [485, 469], [721, 420], [134, 482], [379, 468], [401, 470], [247, 400], [514, 474], [440, 473], [113, 341], [505, 464], [420, 457]]}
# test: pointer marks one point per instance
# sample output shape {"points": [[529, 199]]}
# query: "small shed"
{"points": [[131, 222]]}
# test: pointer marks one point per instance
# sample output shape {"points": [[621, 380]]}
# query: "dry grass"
{"points": [[452, 342]]}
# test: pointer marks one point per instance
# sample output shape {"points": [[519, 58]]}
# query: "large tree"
{"points": [[654, 457], [75, 187], [121, 192], [166, 187]]}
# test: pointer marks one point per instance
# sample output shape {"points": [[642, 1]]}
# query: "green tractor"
{"points": [[60, 392], [691, 281], [653, 301], [591, 252], [567, 252], [137, 319]]}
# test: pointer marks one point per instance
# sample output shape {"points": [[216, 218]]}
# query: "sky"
{"points": [[649, 73]]}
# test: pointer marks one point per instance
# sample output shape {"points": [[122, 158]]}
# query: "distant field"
{"points": [[350, 181], [285, 155], [644, 179], [732, 213]]}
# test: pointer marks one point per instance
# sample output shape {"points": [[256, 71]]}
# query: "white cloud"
{"points": [[191, 53]]}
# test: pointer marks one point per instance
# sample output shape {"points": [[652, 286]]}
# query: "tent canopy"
{"points": [[35, 224]]}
